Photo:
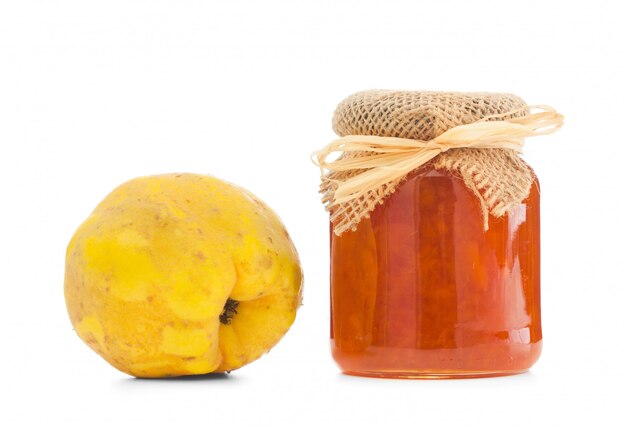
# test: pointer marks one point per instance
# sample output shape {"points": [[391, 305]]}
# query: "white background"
{"points": [[93, 93]]}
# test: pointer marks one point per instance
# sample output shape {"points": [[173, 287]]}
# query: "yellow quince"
{"points": [[181, 274]]}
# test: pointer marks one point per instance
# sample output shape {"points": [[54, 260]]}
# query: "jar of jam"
{"points": [[435, 277]]}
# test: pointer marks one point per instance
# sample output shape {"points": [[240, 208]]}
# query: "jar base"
{"points": [[390, 374]]}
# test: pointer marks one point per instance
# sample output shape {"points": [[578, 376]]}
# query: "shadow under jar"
{"points": [[421, 290]]}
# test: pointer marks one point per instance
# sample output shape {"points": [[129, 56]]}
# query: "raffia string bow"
{"points": [[374, 165]]}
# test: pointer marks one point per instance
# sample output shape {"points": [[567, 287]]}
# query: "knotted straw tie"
{"points": [[381, 160]]}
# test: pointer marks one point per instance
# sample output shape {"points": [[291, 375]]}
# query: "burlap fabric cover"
{"points": [[498, 177]]}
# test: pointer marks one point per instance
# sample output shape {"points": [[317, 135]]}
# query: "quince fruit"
{"points": [[181, 274]]}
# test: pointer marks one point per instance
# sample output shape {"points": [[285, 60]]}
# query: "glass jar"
{"points": [[421, 290]]}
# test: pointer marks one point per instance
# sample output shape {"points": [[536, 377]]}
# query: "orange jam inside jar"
{"points": [[421, 290], [434, 234]]}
